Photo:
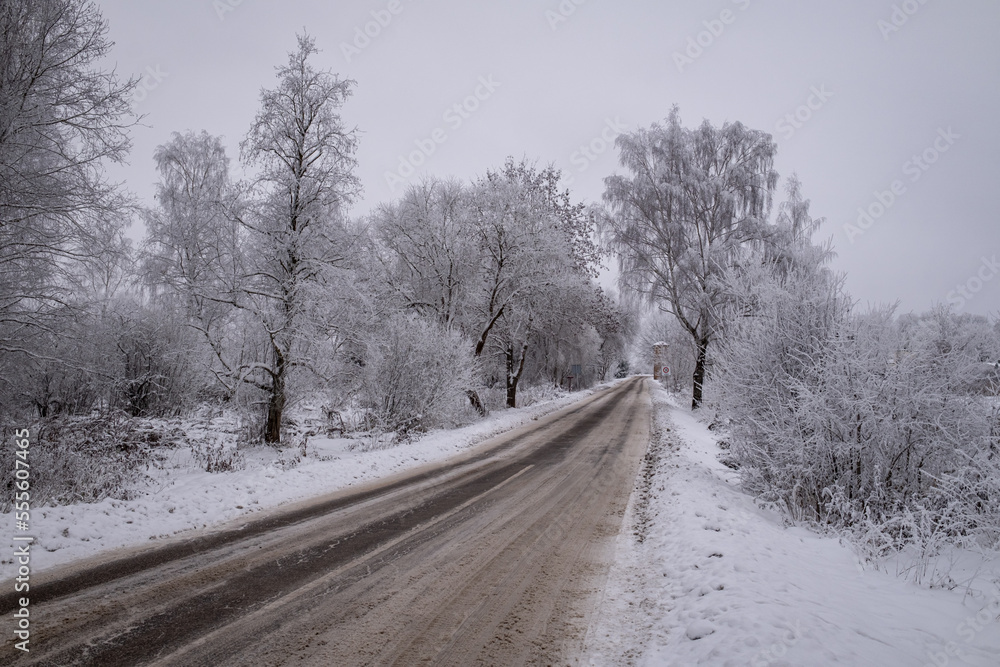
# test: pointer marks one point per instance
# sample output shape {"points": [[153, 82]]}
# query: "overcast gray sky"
{"points": [[868, 100]]}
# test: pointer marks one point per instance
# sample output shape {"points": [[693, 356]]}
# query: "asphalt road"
{"points": [[493, 558]]}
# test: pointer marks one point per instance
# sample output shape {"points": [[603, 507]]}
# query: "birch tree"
{"points": [[192, 246], [192, 256], [304, 157], [690, 200]]}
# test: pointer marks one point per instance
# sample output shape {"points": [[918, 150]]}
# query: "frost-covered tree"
{"points": [[193, 254], [535, 248], [690, 201], [296, 234], [304, 155], [430, 256], [63, 118], [506, 261], [581, 326], [192, 245], [785, 310], [781, 297]]}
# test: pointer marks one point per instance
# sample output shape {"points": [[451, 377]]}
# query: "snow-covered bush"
{"points": [[64, 381], [123, 356], [214, 456], [864, 422], [538, 393], [883, 420], [84, 459], [156, 366], [415, 376], [870, 422]]}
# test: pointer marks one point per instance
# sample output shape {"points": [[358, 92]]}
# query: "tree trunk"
{"points": [[512, 376], [511, 392], [276, 402], [476, 402], [699, 374], [481, 343], [272, 427]]}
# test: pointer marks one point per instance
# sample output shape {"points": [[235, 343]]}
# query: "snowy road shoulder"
{"points": [[705, 576], [181, 497]]}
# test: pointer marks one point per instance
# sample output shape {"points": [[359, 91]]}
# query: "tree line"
{"points": [[260, 291]]}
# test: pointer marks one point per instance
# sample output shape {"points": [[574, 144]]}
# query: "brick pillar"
{"points": [[659, 361]]}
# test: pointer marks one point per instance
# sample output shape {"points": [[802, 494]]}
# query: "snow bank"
{"points": [[704, 576], [182, 497]]}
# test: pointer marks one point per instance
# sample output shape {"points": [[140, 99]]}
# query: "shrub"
{"points": [[868, 423], [414, 376], [84, 459], [213, 456]]}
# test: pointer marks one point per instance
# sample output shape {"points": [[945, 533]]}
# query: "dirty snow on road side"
{"points": [[704, 576], [180, 496]]}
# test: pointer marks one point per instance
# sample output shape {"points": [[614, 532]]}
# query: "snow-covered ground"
{"points": [[704, 576], [183, 497], [714, 579]]}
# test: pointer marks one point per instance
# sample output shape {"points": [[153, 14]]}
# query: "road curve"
{"points": [[491, 558]]}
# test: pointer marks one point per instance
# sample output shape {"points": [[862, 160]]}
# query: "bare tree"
{"points": [[535, 245], [431, 259], [692, 198], [192, 245], [62, 119], [296, 233]]}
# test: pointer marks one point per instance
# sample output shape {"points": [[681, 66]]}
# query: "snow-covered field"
{"points": [[183, 497], [716, 580]]}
